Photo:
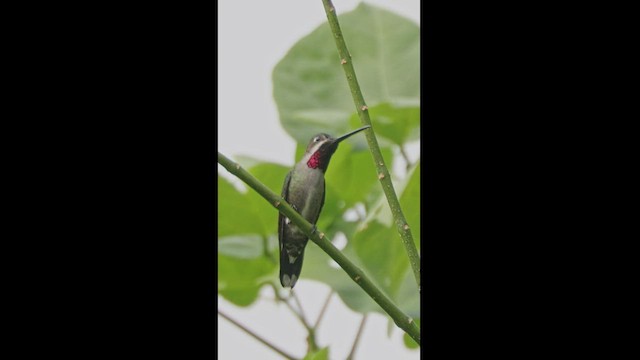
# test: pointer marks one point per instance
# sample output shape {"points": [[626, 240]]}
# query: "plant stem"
{"points": [[400, 318], [363, 113], [355, 341], [255, 336]]}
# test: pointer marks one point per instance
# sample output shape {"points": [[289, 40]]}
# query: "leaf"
{"points": [[352, 174], [316, 267], [322, 354], [397, 124], [233, 205], [239, 280], [242, 247], [265, 215], [247, 162], [243, 227], [407, 297], [310, 87], [383, 255], [300, 149], [379, 247]]}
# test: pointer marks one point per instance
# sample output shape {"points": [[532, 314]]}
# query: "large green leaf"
{"points": [[394, 123], [380, 249], [266, 216], [310, 87], [353, 175], [317, 267], [407, 297], [383, 256], [250, 213], [242, 247], [239, 280], [233, 205], [243, 263]]}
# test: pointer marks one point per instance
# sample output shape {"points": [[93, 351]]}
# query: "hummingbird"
{"points": [[304, 190]]}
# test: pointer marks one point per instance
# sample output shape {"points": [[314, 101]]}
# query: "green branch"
{"points": [[401, 319], [363, 113]]}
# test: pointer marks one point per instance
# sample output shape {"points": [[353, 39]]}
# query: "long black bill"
{"points": [[340, 138]]}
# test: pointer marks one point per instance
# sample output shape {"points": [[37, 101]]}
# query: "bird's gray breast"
{"points": [[306, 191]]}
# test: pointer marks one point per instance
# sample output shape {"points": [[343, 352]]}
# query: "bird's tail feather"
{"points": [[290, 271]]}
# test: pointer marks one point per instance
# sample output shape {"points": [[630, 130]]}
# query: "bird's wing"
{"points": [[281, 218], [324, 193]]}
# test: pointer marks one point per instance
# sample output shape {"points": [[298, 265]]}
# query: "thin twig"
{"points": [[319, 238], [313, 346], [406, 158], [324, 308], [297, 300], [255, 336], [275, 292], [356, 340], [300, 315], [383, 172], [295, 311]]}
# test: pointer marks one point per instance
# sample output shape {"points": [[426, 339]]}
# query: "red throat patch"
{"points": [[314, 161]]}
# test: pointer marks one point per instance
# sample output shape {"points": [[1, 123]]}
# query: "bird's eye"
{"points": [[316, 139]]}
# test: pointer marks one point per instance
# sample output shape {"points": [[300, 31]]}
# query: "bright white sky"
{"points": [[252, 37]]}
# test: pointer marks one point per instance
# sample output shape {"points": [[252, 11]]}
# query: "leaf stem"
{"points": [[400, 318], [383, 172], [257, 337]]}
